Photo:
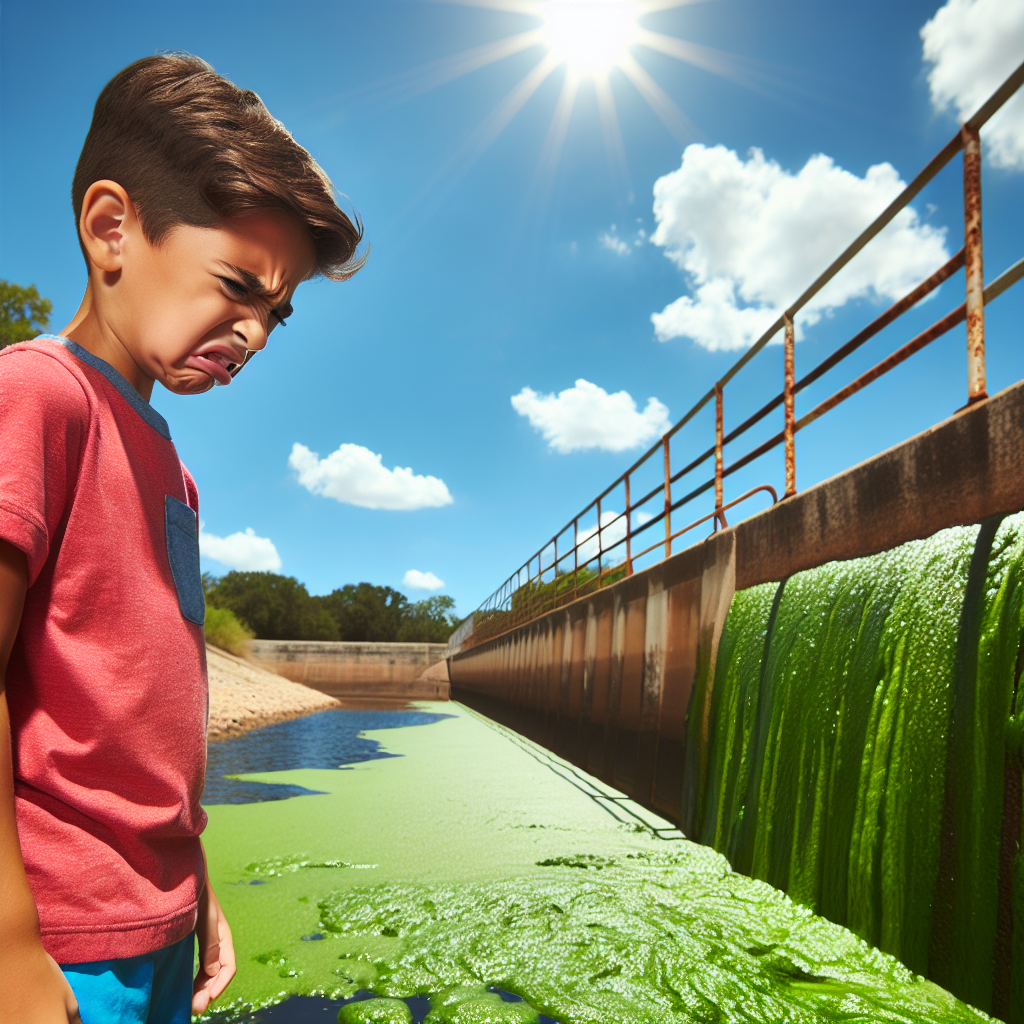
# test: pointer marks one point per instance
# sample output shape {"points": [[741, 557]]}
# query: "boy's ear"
{"points": [[107, 213]]}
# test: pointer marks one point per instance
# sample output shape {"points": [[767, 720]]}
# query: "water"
{"points": [[317, 1010], [864, 733], [329, 739]]}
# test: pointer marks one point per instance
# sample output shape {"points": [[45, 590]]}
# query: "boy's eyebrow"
{"points": [[259, 289], [253, 283]]}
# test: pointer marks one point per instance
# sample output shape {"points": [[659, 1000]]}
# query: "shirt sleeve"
{"points": [[191, 491], [44, 419]]}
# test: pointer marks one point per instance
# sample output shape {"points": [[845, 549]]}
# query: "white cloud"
{"points": [[355, 476], [417, 580], [610, 240], [973, 45], [586, 416], [752, 236], [243, 551]]}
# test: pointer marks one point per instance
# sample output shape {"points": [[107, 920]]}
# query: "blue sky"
{"points": [[494, 270]]}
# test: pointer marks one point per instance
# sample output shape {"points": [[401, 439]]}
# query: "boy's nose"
{"points": [[252, 334]]}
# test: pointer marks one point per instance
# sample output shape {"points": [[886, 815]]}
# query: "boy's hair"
{"points": [[190, 147]]}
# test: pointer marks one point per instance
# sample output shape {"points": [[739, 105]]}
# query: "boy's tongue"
{"points": [[210, 366]]}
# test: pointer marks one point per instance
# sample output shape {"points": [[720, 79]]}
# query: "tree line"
{"points": [[274, 607]]}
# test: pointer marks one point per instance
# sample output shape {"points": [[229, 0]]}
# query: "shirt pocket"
{"points": [[183, 554]]}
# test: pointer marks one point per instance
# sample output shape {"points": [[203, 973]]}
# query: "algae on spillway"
{"points": [[477, 860], [864, 728]]}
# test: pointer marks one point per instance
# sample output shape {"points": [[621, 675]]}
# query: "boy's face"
{"points": [[189, 308]]}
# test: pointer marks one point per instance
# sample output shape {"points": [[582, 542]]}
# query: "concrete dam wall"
{"points": [[875, 774], [355, 670]]}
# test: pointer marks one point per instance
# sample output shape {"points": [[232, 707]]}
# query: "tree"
{"points": [[280, 608], [430, 621], [224, 630], [24, 314], [274, 607], [366, 612]]}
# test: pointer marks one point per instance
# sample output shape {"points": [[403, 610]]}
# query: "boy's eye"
{"points": [[239, 291], [236, 288]]}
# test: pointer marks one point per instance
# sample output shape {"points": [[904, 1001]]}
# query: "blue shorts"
{"points": [[155, 988]]}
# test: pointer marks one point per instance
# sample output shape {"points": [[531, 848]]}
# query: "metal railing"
{"points": [[606, 552]]}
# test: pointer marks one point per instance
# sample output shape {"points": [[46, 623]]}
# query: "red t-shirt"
{"points": [[107, 680]]}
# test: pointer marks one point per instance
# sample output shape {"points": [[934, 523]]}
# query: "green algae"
{"points": [[585, 861], [460, 900], [460, 1006], [464, 802], [276, 867], [843, 700], [984, 790], [275, 957], [474, 1004], [664, 938], [375, 1011]]}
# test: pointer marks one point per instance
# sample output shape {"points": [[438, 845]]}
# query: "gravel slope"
{"points": [[244, 697]]}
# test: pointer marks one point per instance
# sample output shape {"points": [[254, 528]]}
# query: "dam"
{"points": [[828, 691], [773, 773]]}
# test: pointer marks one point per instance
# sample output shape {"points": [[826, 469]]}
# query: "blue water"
{"points": [[328, 739]]}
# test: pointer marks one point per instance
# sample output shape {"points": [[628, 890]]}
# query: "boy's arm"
{"points": [[32, 986], [216, 949]]}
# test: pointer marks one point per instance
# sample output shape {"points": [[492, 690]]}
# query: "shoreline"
{"points": [[244, 697]]}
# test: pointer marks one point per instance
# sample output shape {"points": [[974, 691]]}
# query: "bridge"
{"points": [[620, 646]]}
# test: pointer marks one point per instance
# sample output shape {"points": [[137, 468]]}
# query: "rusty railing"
{"points": [[606, 552]]}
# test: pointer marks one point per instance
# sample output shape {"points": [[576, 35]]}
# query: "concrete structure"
{"points": [[606, 681], [355, 670]]}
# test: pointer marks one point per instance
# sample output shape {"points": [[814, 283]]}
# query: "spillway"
{"points": [[827, 693], [859, 747]]}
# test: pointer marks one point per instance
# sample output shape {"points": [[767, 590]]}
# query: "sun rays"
{"points": [[595, 45]]}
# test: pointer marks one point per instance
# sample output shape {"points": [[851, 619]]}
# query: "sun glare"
{"points": [[588, 39], [591, 36]]}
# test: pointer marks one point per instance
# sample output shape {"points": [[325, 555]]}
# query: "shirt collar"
{"points": [[128, 393]]}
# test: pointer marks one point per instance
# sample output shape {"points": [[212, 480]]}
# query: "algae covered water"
{"points": [[469, 866], [366, 1008], [860, 748], [667, 935]]}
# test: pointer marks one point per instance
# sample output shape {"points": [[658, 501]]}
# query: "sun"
{"points": [[597, 44], [590, 36]]}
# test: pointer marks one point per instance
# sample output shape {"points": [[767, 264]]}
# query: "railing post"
{"points": [[719, 434], [575, 557], [600, 544], [668, 497], [629, 533], [554, 582], [790, 428], [973, 266]]}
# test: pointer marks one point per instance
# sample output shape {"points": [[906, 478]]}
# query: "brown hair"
{"points": [[190, 147]]}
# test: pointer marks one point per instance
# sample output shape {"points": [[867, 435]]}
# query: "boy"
{"points": [[198, 215]]}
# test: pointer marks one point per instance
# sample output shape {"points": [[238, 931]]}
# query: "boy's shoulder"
{"points": [[43, 360], [43, 373]]}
